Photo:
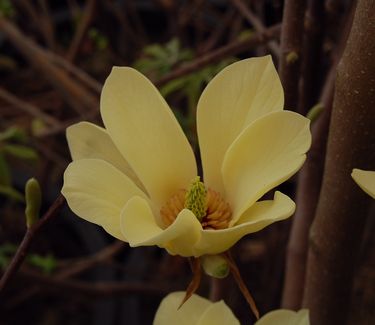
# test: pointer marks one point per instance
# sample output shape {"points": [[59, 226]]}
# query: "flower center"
{"points": [[207, 205]]}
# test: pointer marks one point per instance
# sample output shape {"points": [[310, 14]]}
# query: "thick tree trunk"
{"points": [[337, 231], [309, 184]]}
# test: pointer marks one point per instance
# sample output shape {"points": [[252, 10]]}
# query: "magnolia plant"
{"points": [[138, 176], [200, 311]]}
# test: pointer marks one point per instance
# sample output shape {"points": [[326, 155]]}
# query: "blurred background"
{"points": [[54, 58]]}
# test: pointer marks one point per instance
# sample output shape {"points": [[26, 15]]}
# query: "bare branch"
{"points": [[27, 240]]}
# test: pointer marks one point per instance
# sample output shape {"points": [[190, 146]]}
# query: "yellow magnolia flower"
{"points": [[195, 311], [200, 311], [285, 317], [137, 178], [366, 180]]}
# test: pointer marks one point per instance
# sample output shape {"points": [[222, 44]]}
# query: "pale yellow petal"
{"points": [[168, 312], [366, 180], [266, 154], [285, 317], [218, 314], [140, 228], [257, 217], [237, 96], [146, 132], [96, 191], [87, 140]]}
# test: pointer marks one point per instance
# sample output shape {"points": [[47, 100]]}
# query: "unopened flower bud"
{"points": [[215, 266], [33, 197]]}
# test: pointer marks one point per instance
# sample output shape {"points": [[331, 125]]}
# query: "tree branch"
{"points": [[338, 228], [257, 23], [73, 93], [217, 55], [309, 185], [312, 56], [291, 49], [28, 239]]}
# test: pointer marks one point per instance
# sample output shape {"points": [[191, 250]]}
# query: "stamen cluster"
{"points": [[215, 214]]}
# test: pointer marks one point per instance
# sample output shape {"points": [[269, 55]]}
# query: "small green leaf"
{"points": [[172, 86], [13, 133], [156, 51], [12, 193], [20, 151], [7, 9], [5, 176], [46, 263], [6, 250]]}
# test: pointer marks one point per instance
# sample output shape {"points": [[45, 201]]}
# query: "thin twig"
{"points": [[217, 55], [81, 75], [257, 23], [73, 269], [90, 261], [47, 24], [311, 57], [28, 239], [216, 291], [87, 16], [218, 32], [38, 21], [73, 93], [97, 288], [27, 107]]}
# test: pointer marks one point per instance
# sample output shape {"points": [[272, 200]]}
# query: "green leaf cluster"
{"points": [[13, 143], [99, 39], [47, 264], [7, 9], [157, 60]]}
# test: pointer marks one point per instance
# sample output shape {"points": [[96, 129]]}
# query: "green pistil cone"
{"points": [[195, 199]]}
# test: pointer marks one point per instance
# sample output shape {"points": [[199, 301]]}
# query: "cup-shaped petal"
{"points": [[366, 180], [87, 140], [139, 227], [169, 312], [267, 153], [218, 314], [235, 97], [146, 132], [285, 317], [195, 311], [96, 191], [257, 217]]}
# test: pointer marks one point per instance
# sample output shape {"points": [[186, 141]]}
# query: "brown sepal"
{"points": [[195, 282], [241, 284]]}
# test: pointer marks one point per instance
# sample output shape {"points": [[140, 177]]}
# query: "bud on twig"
{"points": [[33, 198]]}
